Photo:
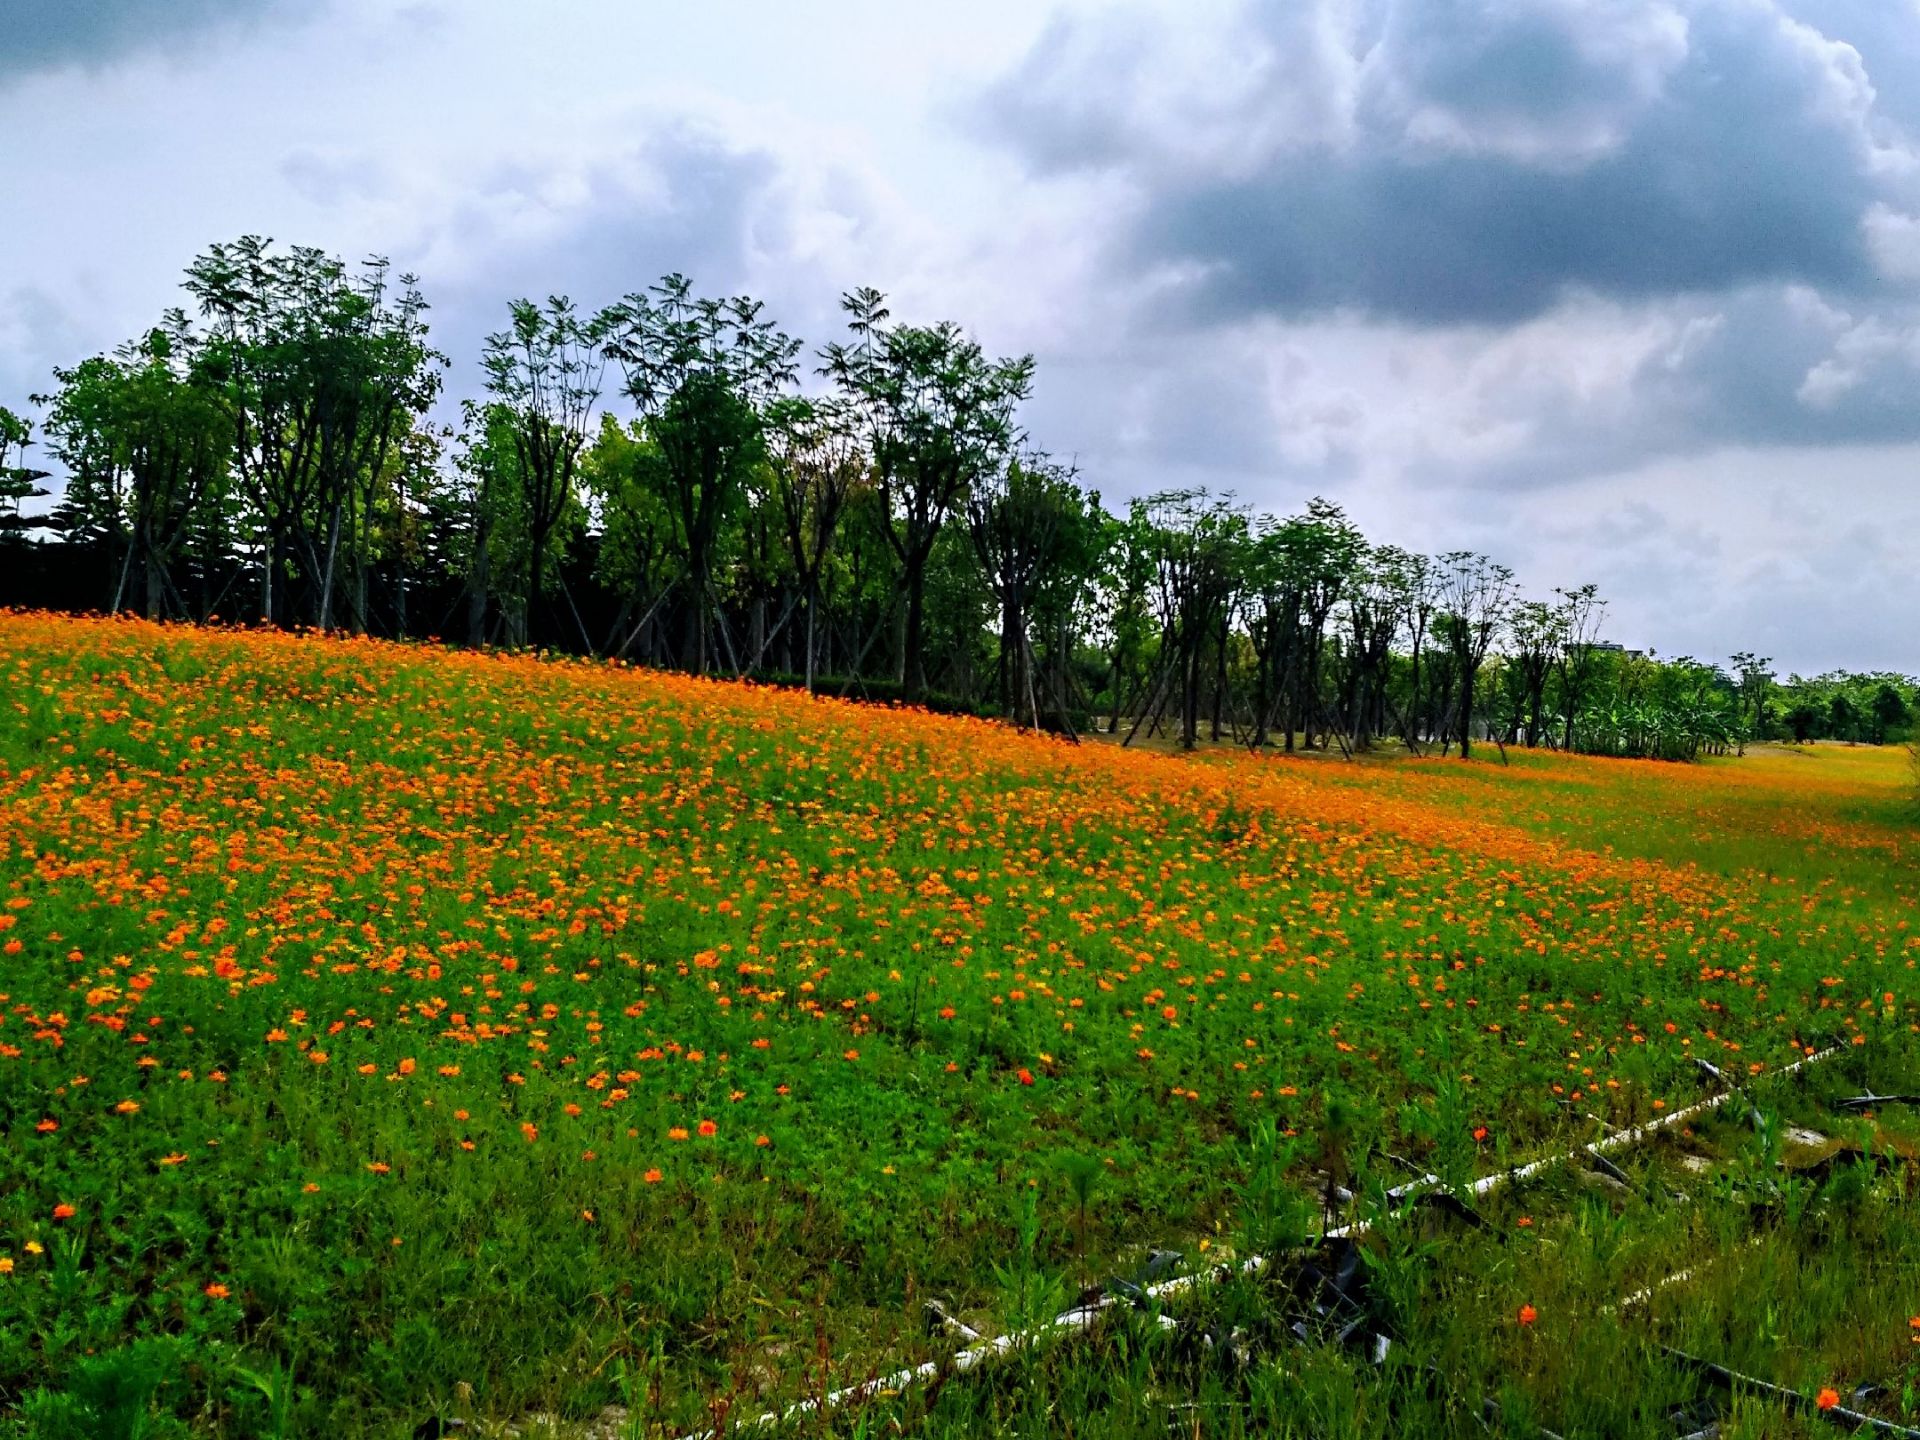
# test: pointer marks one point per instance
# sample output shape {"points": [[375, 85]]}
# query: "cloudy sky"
{"points": [[1614, 290]]}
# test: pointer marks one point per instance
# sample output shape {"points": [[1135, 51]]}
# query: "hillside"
{"points": [[406, 1018]]}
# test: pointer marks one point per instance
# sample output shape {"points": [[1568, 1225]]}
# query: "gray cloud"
{"points": [[36, 334], [38, 35], [685, 198], [1471, 163]]}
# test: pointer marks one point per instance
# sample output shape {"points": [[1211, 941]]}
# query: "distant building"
{"points": [[1614, 647]]}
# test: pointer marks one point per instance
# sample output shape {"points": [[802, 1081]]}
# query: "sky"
{"points": [[1616, 291]]}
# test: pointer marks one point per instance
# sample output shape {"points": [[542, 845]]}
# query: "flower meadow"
{"points": [[386, 1031]]}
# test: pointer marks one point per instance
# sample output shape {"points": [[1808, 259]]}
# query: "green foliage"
{"points": [[1874, 708], [18, 480]]}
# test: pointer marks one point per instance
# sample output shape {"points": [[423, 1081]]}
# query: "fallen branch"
{"points": [[1085, 1315], [1841, 1415]]}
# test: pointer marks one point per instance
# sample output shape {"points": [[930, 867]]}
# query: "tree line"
{"points": [[673, 480]]}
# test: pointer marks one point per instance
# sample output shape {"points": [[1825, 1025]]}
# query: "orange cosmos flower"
{"points": [[216, 1291], [652, 1177], [1528, 1315], [1827, 1398], [678, 1132], [64, 1211], [708, 1129]]}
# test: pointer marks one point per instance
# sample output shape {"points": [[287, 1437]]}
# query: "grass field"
{"points": [[388, 1032]]}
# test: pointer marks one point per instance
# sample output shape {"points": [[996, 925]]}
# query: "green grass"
{"points": [[370, 986]]}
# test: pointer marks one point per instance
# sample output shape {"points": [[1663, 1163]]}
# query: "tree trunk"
{"points": [[155, 580], [1466, 708], [912, 671]]}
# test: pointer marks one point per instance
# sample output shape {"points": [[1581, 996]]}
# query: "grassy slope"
{"points": [[420, 962]]}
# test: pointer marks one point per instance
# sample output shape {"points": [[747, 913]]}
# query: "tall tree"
{"points": [[621, 472], [320, 369], [1537, 637], [1474, 596], [1200, 549], [1027, 524], [146, 443], [1323, 547], [1581, 614], [701, 371], [1753, 678], [1379, 601], [939, 418], [814, 452], [19, 481], [543, 374]]}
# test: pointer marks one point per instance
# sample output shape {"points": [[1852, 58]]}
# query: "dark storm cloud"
{"points": [[40, 35], [1485, 161]]}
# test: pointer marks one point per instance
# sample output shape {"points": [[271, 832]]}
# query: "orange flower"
{"points": [[678, 1132], [64, 1211], [1827, 1398], [708, 1129], [1025, 1076], [530, 1130], [216, 1291], [47, 1127], [762, 1141], [1528, 1315], [652, 1177]]}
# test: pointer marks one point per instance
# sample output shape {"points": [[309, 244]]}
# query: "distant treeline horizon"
{"points": [[652, 481]]}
